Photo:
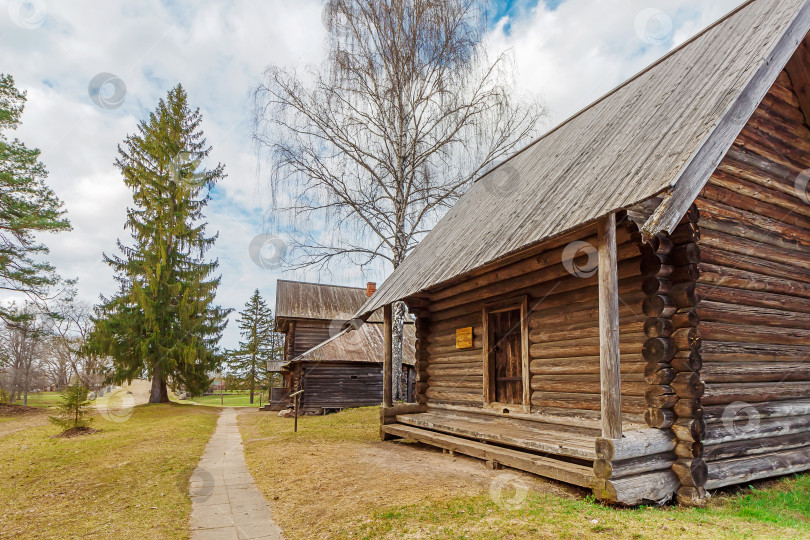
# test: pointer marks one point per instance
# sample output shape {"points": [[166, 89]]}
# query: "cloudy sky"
{"points": [[569, 52]]}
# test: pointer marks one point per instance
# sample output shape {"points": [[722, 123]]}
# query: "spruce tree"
{"points": [[162, 322], [74, 409], [27, 207], [256, 325]]}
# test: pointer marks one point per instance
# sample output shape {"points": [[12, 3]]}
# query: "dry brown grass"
{"points": [[336, 479], [129, 480], [12, 423], [335, 471]]}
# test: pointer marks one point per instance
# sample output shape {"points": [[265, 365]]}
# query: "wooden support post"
{"points": [[296, 397], [388, 355], [610, 372]]}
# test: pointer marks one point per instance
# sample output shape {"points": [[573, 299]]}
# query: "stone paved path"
{"points": [[225, 502]]}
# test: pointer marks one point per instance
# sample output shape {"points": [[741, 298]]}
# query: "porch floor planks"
{"points": [[509, 432], [548, 467]]}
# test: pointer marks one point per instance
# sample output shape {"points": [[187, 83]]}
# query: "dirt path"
{"points": [[140, 390], [225, 501], [27, 421]]}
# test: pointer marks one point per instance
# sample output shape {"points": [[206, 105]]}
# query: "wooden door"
{"points": [[505, 357]]}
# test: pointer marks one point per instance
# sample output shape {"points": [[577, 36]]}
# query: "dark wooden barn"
{"points": [[346, 371], [631, 313], [337, 367]]}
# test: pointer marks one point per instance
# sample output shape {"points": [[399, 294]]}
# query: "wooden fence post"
{"points": [[388, 355], [609, 360]]}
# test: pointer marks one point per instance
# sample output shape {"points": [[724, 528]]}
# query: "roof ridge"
{"points": [[320, 284]]}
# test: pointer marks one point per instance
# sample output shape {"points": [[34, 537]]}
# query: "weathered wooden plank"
{"points": [[583, 365], [748, 469], [754, 447], [546, 259], [543, 466], [556, 292], [749, 429], [501, 432], [722, 393], [636, 444], [561, 418], [629, 344], [575, 384], [756, 412], [756, 372], [695, 175], [734, 313], [730, 351], [749, 281], [652, 488], [630, 467], [720, 237]]}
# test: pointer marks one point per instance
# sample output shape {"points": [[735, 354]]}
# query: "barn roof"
{"points": [[663, 132], [301, 300], [362, 345]]}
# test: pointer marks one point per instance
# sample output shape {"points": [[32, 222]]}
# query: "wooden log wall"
{"points": [[752, 298], [672, 351], [563, 329], [307, 334], [336, 385], [636, 469], [648, 472], [289, 342]]}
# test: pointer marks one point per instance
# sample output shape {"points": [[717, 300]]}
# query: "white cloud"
{"points": [[574, 54], [218, 50]]}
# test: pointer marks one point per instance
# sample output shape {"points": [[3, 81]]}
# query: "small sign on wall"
{"points": [[464, 338]]}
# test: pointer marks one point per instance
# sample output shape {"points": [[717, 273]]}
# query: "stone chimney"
{"points": [[370, 288]]}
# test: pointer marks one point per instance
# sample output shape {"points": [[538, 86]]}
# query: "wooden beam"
{"points": [[636, 444], [693, 177], [798, 69], [609, 361], [525, 357], [388, 355]]}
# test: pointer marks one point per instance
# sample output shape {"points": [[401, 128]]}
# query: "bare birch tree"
{"points": [[21, 343], [379, 140], [70, 325]]}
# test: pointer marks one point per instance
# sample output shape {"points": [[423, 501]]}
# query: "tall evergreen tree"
{"points": [[27, 206], [162, 322], [260, 343]]}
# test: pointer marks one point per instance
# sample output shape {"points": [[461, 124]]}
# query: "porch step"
{"points": [[540, 438], [548, 467]]}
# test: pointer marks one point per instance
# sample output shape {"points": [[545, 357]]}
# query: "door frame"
{"points": [[520, 303]]}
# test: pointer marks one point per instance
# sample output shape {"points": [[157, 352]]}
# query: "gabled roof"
{"points": [[663, 132], [301, 300], [362, 345]]}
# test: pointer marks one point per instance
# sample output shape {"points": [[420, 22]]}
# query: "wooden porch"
{"points": [[550, 450], [554, 450]]}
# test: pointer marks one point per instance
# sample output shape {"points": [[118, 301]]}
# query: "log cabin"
{"points": [[335, 364], [632, 312], [346, 370]]}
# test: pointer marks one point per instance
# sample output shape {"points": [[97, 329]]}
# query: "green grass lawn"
{"points": [[241, 399], [780, 511], [393, 490], [130, 480], [41, 399]]}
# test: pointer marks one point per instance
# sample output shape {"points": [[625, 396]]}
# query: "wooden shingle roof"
{"points": [[301, 300], [362, 345], [662, 133]]}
